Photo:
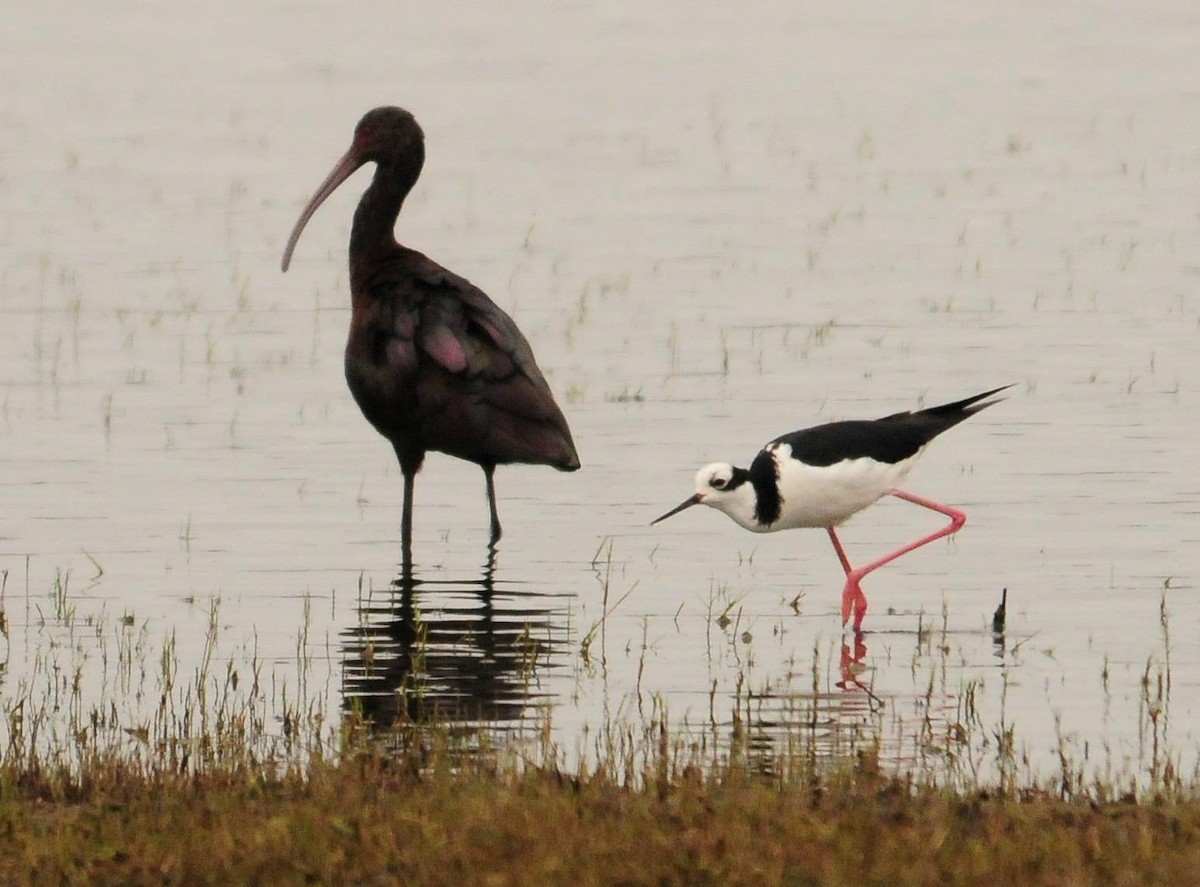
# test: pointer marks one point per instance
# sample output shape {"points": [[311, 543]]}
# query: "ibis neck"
{"points": [[375, 219]]}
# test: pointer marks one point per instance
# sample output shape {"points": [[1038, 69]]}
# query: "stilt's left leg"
{"points": [[853, 598], [957, 519]]}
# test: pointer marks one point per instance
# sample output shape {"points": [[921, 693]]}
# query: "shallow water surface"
{"points": [[713, 229]]}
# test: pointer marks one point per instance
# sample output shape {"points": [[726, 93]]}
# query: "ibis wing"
{"points": [[467, 335], [465, 361]]}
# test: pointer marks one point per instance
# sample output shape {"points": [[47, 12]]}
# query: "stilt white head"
{"points": [[721, 486]]}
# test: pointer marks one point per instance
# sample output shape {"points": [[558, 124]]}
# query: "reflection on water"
{"points": [[486, 655], [818, 719], [851, 664], [469, 651], [837, 713]]}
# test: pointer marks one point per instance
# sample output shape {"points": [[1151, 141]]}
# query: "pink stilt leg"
{"points": [[853, 599], [837, 546]]}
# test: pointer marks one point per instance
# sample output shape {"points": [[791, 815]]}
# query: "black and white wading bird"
{"points": [[822, 476]]}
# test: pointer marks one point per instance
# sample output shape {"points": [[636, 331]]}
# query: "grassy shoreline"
{"points": [[218, 775], [430, 816]]}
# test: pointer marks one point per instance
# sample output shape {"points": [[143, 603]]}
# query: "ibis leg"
{"points": [[410, 463], [488, 472], [406, 518]]}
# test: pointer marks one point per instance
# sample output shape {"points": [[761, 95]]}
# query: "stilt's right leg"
{"points": [[853, 599], [837, 546]]}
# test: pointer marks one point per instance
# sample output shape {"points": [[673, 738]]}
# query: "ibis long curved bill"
{"points": [[346, 167]]}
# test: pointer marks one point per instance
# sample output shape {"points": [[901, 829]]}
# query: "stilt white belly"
{"points": [[828, 495]]}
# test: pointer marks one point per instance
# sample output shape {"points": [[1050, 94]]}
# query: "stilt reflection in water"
{"points": [[471, 652], [835, 709]]}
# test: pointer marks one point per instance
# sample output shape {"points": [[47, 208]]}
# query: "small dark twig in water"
{"points": [[1001, 611]]}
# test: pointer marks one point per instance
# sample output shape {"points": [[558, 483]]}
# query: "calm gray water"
{"points": [[714, 227]]}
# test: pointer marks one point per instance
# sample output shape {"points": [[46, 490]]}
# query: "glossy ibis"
{"points": [[821, 476], [432, 362]]}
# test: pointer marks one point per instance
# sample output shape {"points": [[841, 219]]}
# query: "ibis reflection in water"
{"points": [[464, 651]]}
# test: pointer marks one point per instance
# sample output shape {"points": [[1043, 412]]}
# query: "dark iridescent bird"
{"points": [[432, 362], [823, 476]]}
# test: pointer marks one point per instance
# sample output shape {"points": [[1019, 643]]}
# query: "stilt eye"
{"points": [[718, 483]]}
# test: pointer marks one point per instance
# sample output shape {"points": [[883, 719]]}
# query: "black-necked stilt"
{"points": [[821, 476], [433, 363]]}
